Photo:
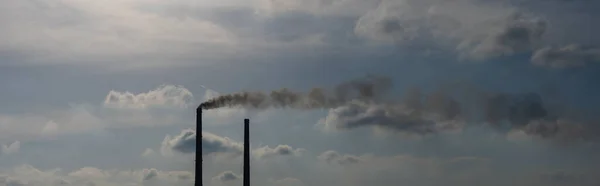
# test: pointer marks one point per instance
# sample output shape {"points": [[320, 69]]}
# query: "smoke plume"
{"points": [[367, 88], [363, 102]]}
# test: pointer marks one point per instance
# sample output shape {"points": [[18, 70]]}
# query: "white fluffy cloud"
{"points": [[171, 96], [212, 144], [185, 143]]}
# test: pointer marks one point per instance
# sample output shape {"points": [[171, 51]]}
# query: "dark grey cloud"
{"points": [[417, 114], [515, 34], [336, 158], [406, 26], [518, 109], [394, 117], [521, 34], [227, 176], [563, 130], [566, 57], [438, 102], [440, 110], [529, 113]]}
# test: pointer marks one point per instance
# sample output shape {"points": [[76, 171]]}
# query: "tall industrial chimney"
{"points": [[246, 152], [198, 174]]}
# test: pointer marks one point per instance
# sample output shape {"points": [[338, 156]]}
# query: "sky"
{"points": [[466, 92]]}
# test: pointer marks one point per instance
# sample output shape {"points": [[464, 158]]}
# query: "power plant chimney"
{"points": [[198, 173], [246, 152]]}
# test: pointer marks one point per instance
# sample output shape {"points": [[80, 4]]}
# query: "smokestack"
{"points": [[198, 173], [246, 152]]}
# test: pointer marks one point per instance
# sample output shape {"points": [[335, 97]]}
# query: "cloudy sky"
{"points": [[466, 92]]}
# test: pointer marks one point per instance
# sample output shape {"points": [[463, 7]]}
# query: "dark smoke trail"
{"points": [[361, 103], [367, 88]]}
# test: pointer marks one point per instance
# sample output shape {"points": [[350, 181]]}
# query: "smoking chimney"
{"points": [[198, 173], [246, 152]]}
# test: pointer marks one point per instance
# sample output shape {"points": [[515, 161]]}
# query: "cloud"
{"points": [[400, 22], [13, 182], [150, 174], [563, 130], [440, 111], [185, 143], [10, 148], [476, 30], [279, 150], [397, 118], [566, 57], [212, 144], [90, 172], [517, 34], [226, 176], [518, 109], [136, 33], [528, 113], [29, 175], [148, 153], [334, 157], [171, 96], [118, 30], [162, 106], [415, 114]]}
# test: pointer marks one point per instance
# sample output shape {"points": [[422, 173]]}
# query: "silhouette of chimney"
{"points": [[198, 174], [246, 152]]}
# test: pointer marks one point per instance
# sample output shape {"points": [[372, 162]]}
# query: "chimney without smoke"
{"points": [[246, 152]]}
